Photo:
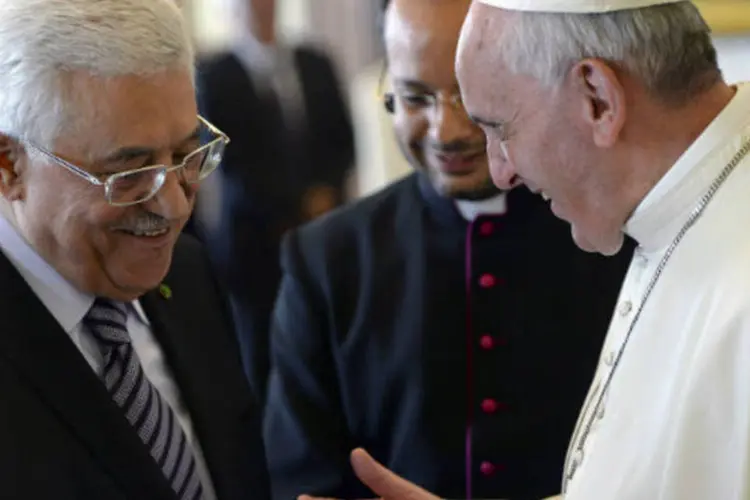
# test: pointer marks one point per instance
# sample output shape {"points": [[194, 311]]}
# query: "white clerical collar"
{"points": [[66, 303], [470, 210], [665, 209]]}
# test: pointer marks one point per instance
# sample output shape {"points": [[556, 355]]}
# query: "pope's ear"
{"points": [[602, 99], [11, 185]]}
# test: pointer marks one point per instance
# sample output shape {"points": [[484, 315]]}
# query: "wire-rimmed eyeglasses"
{"points": [[135, 186], [420, 99]]}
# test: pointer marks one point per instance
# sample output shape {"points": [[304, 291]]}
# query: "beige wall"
{"points": [[378, 158], [214, 26]]}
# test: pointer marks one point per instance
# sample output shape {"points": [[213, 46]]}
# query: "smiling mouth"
{"points": [[538, 191], [153, 233], [458, 163]]}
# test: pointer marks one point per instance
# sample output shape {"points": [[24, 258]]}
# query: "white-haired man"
{"points": [[617, 112], [119, 372]]}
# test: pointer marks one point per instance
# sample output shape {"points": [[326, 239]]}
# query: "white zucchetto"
{"points": [[574, 6]]}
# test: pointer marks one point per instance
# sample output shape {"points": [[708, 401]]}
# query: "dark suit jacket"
{"points": [[264, 176], [457, 353], [61, 435]]}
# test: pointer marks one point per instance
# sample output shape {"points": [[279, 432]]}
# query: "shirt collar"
{"points": [[470, 210], [67, 304], [139, 312], [666, 208]]}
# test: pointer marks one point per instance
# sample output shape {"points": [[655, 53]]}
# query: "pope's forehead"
{"points": [[482, 31], [480, 65]]}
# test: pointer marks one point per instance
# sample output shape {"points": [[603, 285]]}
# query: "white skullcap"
{"points": [[574, 6]]}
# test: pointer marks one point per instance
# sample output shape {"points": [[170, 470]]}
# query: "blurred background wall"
{"points": [[345, 28], [734, 56], [348, 31]]}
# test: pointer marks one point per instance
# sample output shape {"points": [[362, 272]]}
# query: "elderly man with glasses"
{"points": [[119, 371]]}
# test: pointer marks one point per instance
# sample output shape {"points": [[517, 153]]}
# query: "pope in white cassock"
{"points": [[617, 112]]}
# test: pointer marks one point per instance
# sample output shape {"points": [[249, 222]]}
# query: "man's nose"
{"points": [[450, 123], [503, 172], [174, 200], [504, 178]]}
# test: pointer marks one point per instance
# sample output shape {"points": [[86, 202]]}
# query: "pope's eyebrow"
{"points": [[484, 122]]}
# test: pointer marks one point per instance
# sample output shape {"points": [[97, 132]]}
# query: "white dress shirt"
{"points": [[675, 420], [69, 306]]}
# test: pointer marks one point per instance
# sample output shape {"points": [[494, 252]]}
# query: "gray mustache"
{"points": [[144, 223]]}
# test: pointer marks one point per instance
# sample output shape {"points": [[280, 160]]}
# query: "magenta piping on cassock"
{"points": [[469, 363]]}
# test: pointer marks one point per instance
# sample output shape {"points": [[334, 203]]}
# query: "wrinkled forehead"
{"points": [[421, 38], [479, 40], [479, 65], [146, 110], [428, 57]]}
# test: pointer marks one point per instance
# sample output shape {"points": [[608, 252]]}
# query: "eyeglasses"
{"points": [[132, 187], [428, 100], [415, 100]]}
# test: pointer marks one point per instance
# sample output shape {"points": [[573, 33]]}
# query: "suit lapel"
{"points": [[52, 366], [243, 76], [210, 384]]}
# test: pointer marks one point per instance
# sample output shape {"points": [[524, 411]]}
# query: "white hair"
{"points": [[667, 47], [42, 41]]}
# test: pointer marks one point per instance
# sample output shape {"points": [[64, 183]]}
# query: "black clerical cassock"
{"points": [[458, 353]]}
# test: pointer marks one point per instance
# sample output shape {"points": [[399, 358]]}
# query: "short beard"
{"points": [[479, 192]]}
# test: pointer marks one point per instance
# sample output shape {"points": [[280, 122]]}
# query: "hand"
{"points": [[384, 483]]}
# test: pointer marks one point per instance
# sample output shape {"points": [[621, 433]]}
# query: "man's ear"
{"points": [[602, 100], [11, 185]]}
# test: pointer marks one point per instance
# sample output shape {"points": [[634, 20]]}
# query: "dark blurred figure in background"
{"points": [[449, 328], [291, 152]]}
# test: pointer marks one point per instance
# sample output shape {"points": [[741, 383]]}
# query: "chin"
{"points": [[613, 248], [139, 279], [467, 189], [133, 290], [604, 246]]}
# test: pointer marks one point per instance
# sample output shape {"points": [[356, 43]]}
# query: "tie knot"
{"points": [[107, 320]]}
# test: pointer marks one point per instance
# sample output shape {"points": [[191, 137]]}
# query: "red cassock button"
{"points": [[487, 281], [487, 342], [487, 468], [486, 228], [490, 406]]}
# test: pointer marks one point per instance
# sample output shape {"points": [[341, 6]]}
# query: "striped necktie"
{"points": [[145, 409]]}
